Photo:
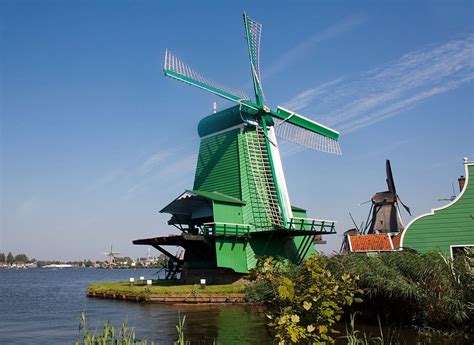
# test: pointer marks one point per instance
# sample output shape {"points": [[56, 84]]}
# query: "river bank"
{"points": [[163, 291]]}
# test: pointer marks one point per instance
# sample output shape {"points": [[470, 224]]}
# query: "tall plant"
{"points": [[434, 290], [304, 301]]}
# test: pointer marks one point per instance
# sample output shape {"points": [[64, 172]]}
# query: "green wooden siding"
{"points": [[449, 226], [265, 246], [218, 165], [231, 253], [276, 247], [251, 257], [298, 213], [242, 256], [301, 242], [303, 247], [227, 213]]}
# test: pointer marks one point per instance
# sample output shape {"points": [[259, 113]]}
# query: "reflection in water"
{"points": [[44, 306], [206, 324]]}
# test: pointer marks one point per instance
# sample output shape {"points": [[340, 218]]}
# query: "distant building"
{"points": [[370, 243], [448, 229]]}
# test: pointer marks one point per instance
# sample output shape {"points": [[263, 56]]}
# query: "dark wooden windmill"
{"points": [[384, 222], [385, 209]]}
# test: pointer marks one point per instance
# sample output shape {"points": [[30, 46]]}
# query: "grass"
{"points": [[161, 287]]}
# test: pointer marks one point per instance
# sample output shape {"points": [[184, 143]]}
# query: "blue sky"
{"points": [[95, 140]]}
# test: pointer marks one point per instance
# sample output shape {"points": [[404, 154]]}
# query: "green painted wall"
{"points": [[218, 165], [298, 213], [276, 246], [453, 225], [227, 213], [242, 256], [301, 242], [231, 253], [304, 249]]}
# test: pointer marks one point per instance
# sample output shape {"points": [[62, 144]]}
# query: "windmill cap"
{"points": [[222, 120]]}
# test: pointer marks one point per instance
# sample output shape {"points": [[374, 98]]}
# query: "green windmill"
{"points": [[239, 207]]}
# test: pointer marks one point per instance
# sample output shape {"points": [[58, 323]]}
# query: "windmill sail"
{"points": [[266, 209], [390, 181], [253, 31], [300, 130], [176, 69]]}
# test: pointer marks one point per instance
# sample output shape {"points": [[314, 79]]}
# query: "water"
{"points": [[43, 306]]}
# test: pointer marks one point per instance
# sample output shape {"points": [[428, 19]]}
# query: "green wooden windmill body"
{"points": [[239, 207]]}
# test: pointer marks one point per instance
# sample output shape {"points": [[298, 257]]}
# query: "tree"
{"points": [[20, 258], [10, 258], [2, 257]]}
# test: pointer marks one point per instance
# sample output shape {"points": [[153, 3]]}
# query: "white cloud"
{"points": [[160, 167], [380, 93], [164, 174], [293, 54], [154, 161], [306, 97], [104, 180], [396, 107]]}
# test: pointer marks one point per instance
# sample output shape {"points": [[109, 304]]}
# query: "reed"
{"points": [[123, 336], [434, 291]]}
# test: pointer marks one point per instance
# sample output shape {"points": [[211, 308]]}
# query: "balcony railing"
{"points": [[313, 225], [317, 226], [225, 229]]}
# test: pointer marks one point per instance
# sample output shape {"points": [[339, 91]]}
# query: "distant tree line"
{"points": [[10, 258], [22, 258]]}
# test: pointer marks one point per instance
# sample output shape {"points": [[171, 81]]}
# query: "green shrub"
{"points": [[305, 301]]}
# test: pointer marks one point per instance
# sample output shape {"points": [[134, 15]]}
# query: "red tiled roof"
{"points": [[370, 243], [396, 240]]}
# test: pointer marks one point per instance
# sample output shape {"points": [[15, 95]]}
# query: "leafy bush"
{"points": [[305, 301]]}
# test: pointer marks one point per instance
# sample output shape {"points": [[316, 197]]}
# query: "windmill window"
{"points": [[459, 250]]}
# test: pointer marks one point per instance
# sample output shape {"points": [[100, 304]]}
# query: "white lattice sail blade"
{"points": [[176, 69], [254, 35], [304, 137], [265, 206]]}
